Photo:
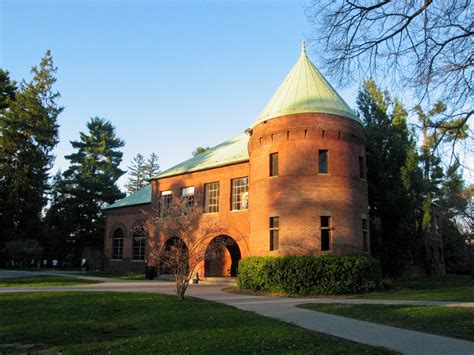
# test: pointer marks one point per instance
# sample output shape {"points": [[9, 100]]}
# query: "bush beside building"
{"points": [[310, 275]]}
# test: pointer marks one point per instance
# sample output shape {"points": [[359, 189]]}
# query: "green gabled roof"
{"points": [[305, 90], [140, 197], [231, 151]]}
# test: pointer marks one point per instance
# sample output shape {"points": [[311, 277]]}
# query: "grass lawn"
{"points": [[42, 280], [116, 275], [455, 322], [459, 288], [446, 288], [107, 322]]}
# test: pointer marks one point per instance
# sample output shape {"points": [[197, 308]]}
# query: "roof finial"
{"points": [[303, 48]]}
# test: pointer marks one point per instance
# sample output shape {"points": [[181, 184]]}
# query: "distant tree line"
{"points": [[44, 216]]}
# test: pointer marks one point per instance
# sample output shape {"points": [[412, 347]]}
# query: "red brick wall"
{"points": [[124, 218], [300, 195]]}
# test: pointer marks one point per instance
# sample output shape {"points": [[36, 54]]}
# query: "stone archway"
{"points": [[173, 251], [222, 257]]}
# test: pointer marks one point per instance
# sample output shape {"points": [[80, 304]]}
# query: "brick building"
{"points": [[292, 184]]}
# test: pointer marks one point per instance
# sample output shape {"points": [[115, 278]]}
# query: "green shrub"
{"points": [[310, 275]]}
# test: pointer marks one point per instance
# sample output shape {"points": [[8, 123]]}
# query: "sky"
{"points": [[170, 75]]}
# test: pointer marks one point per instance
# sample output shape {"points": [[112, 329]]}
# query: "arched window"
{"points": [[139, 239], [117, 245]]}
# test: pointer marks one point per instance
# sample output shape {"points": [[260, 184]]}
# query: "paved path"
{"points": [[284, 308]]}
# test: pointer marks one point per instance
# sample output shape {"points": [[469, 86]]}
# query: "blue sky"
{"points": [[169, 75]]}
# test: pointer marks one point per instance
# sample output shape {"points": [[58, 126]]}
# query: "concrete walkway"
{"points": [[284, 308]]}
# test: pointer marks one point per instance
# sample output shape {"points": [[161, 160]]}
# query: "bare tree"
{"points": [[422, 45], [191, 238]]}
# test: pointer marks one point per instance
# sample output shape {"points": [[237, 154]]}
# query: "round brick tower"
{"points": [[308, 192]]}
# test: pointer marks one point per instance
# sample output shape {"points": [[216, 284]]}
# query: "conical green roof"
{"points": [[305, 90]]}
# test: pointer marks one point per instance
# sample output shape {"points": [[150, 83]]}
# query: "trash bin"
{"points": [[150, 273]]}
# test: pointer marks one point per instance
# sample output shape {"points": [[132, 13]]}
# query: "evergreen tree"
{"points": [[152, 168], [394, 178], [141, 171], [7, 90], [90, 182], [28, 134], [136, 174], [199, 150], [59, 222]]}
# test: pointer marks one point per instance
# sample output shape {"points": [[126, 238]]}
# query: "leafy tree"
{"points": [[90, 183], [28, 134], [199, 150], [141, 171], [394, 178]]}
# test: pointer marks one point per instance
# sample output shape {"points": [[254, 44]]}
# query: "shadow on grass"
{"points": [[103, 322]]}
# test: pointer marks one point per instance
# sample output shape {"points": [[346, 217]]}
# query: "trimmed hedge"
{"points": [[310, 275]]}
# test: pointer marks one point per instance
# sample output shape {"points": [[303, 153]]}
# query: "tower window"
{"points": [[212, 197], [274, 164], [240, 194], [274, 233], [361, 168], [323, 162], [325, 233], [365, 234]]}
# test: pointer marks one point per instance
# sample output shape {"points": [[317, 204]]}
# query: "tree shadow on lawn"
{"points": [[104, 322]]}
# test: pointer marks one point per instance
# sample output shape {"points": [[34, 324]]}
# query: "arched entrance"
{"points": [[222, 257], [174, 254]]}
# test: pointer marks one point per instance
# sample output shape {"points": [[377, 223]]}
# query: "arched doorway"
{"points": [[222, 257], [174, 254]]}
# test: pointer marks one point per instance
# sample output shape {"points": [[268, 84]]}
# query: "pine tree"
{"points": [[28, 134], [59, 222], [7, 90], [136, 178], [90, 182], [140, 171], [152, 168], [199, 150]]}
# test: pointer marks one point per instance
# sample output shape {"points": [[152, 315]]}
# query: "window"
{"points": [[361, 168], [274, 164], [325, 233], [323, 162], [211, 203], [274, 233], [117, 245], [240, 194], [365, 234], [187, 196], [165, 202], [139, 240]]}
